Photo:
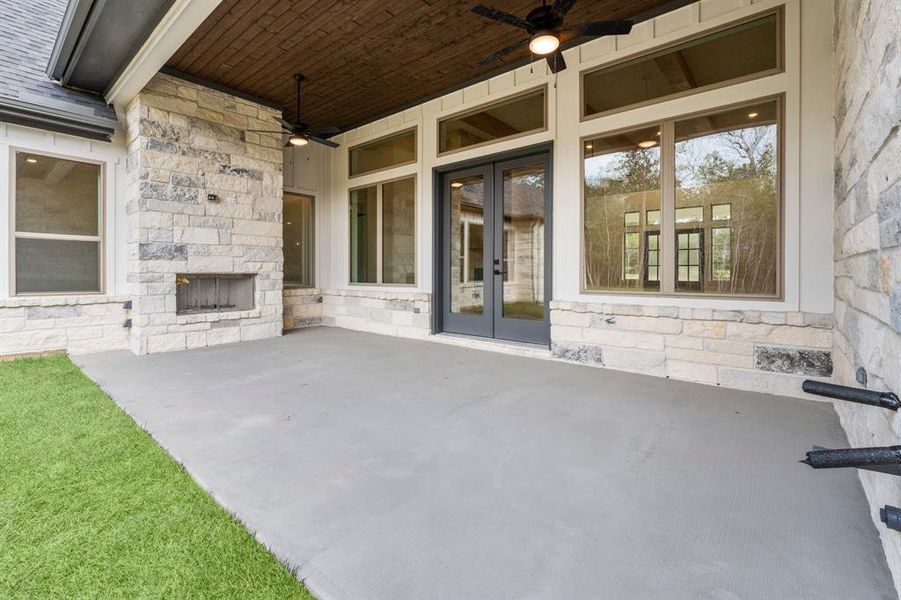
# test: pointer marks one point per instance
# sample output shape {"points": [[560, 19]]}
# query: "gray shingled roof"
{"points": [[28, 30]]}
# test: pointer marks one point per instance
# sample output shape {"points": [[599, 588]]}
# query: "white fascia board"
{"points": [[183, 18]]}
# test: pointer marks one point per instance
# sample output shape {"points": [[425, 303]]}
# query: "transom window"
{"points": [[747, 50], [57, 225], [383, 233], [384, 153], [724, 205], [502, 120]]}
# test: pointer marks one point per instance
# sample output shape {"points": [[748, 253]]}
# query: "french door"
{"points": [[495, 259]]}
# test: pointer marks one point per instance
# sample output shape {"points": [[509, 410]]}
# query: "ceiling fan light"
{"points": [[298, 140], [544, 43], [647, 144]]}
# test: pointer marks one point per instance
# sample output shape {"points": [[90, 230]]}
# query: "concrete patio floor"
{"points": [[390, 468]]}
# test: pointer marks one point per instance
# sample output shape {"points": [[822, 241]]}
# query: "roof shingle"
{"points": [[28, 30]]}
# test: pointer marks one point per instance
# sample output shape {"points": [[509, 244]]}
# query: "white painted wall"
{"points": [[111, 155], [808, 134]]}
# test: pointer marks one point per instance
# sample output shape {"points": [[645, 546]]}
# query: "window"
{"points": [[622, 182], [383, 233], [57, 225], [390, 151], [722, 254], [720, 212], [398, 232], [516, 116], [745, 50], [631, 251], [689, 253], [691, 214], [652, 259], [299, 243], [728, 161], [724, 198]]}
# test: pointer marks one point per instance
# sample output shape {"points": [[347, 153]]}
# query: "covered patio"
{"points": [[382, 467]]}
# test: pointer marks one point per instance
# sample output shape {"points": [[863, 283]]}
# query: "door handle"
{"points": [[499, 272]]}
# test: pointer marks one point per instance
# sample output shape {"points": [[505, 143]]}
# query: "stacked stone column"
{"points": [[203, 196]]}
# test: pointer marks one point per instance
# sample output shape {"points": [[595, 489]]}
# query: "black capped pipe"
{"points": [[876, 459], [841, 392], [891, 516]]}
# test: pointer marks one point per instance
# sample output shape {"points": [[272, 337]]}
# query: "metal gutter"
{"points": [[54, 119], [76, 15]]}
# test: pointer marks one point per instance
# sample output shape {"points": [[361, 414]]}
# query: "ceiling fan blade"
{"points": [[503, 52], [284, 123], [561, 7], [324, 142], [324, 131], [503, 17], [556, 62]]}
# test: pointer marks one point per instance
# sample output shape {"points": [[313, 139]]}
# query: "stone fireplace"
{"points": [[204, 209]]}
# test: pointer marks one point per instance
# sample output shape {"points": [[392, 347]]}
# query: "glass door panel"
{"points": [[522, 247], [467, 282]]}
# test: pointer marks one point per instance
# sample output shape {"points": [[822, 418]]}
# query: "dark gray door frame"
{"points": [[438, 233]]}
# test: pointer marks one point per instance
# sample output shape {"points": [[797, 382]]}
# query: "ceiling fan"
{"points": [[300, 134], [546, 31]]}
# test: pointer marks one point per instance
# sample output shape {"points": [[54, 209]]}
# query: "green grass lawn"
{"points": [[91, 506]]}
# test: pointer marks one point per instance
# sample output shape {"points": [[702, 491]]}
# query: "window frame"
{"points": [[414, 129], [779, 13], [380, 249], [667, 228], [100, 238], [315, 201], [543, 88]]}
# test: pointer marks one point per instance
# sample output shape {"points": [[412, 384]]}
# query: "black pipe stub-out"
{"points": [[884, 459], [841, 392], [891, 516]]}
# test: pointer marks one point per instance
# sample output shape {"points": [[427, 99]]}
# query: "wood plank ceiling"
{"points": [[362, 58]]}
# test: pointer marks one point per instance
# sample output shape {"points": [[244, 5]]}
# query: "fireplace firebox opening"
{"points": [[202, 293]]}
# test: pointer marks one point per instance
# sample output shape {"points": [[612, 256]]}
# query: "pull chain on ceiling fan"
{"points": [[546, 31], [300, 133]]}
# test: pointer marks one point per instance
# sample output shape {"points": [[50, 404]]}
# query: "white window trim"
{"points": [[100, 238]]}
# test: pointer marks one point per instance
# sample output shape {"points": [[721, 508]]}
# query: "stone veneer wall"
{"points": [[77, 324], [186, 141], [302, 307], [867, 76], [404, 314], [761, 351]]}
